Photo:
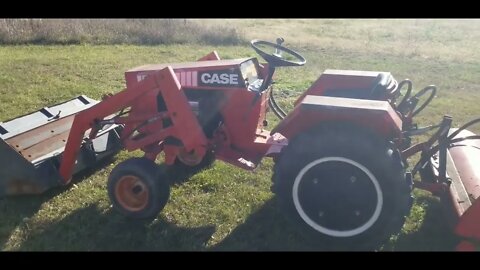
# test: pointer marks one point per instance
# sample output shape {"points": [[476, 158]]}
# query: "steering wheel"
{"points": [[398, 92], [277, 58]]}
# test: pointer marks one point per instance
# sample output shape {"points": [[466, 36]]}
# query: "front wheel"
{"points": [[138, 189], [344, 188]]}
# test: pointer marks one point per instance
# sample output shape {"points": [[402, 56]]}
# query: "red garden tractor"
{"points": [[340, 154]]}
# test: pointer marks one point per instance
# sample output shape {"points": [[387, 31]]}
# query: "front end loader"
{"points": [[32, 147], [340, 174]]}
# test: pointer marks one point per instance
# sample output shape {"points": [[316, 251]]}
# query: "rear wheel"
{"points": [[343, 187], [137, 189]]}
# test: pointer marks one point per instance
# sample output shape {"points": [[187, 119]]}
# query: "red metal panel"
{"points": [[468, 225], [340, 79], [194, 78], [207, 65], [313, 110], [242, 116], [465, 246], [466, 155], [211, 56], [189, 78], [182, 78]]}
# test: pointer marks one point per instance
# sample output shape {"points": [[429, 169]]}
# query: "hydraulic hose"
{"points": [[449, 140], [433, 90], [275, 108]]}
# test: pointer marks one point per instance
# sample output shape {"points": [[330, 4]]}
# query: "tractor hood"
{"points": [[232, 73]]}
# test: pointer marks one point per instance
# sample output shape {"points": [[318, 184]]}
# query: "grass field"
{"points": [[225, 208], [114, 31]]}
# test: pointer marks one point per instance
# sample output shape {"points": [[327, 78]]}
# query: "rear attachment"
{"points": [[31, 147], [463, 160], [450, 171]]}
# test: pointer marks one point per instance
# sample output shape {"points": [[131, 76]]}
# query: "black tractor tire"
{"points": [[138, 189], [343, 187]]}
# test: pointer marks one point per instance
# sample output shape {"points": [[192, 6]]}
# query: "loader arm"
{"points": [[153, 122]]}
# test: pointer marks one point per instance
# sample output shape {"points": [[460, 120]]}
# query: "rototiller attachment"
{"points": [[450, 169]]}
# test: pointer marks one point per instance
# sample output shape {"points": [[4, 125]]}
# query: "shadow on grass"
{"points": [[179, 174], [92, 228], [265, 230], [434, 234], [14, 210], [88, 229]]}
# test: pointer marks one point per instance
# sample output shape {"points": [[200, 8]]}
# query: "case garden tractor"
{"points": [[340, 154]]}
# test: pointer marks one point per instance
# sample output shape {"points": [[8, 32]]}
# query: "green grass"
{"points": [[226, 208], [114, 31]]}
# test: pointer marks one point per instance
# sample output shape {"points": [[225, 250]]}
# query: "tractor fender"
{"points": [[312, 111]]}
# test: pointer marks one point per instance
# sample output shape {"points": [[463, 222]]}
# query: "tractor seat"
{"points": [[382, 85]]}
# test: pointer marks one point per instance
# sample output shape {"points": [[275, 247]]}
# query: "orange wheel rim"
{"points": [[132, 193], [187, 158]]}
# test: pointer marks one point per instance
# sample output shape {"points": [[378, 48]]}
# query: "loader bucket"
{"points": [[31, 147]]}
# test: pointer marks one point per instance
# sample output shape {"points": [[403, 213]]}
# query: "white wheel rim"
{"points": [[327, 231]]}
